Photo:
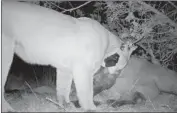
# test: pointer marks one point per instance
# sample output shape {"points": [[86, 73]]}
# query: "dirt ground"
{"points": [[43, 99]]}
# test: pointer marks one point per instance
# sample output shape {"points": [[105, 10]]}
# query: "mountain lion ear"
{"points": [[111, 60]]}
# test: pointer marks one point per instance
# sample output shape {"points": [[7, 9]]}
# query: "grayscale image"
{"points": [[89, 56]]}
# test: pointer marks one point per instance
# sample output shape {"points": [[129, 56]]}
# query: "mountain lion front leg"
{"points": [[7, 57], [83, 79], [64, 81]]}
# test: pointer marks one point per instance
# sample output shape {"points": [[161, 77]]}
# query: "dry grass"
{"points": [[27, 102]]}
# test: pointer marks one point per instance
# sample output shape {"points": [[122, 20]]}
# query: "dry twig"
{"points": [[31, 89], [55, 103]]}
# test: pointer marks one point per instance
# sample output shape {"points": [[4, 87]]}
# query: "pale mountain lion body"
{"points": [[76, 47]]}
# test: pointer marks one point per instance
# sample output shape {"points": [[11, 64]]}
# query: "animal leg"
{"points": [[83, 78], [150, 91], [64, 81], [7, 57], [136, 98]]}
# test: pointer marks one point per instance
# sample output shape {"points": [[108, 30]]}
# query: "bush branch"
{"points": [[76, 7]]}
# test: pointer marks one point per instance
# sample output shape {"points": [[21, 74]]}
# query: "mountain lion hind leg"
{"points": [[64, 81], [7, 57]]}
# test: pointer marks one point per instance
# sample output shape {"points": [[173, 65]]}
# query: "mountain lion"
{"points": [[77, 47]]}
